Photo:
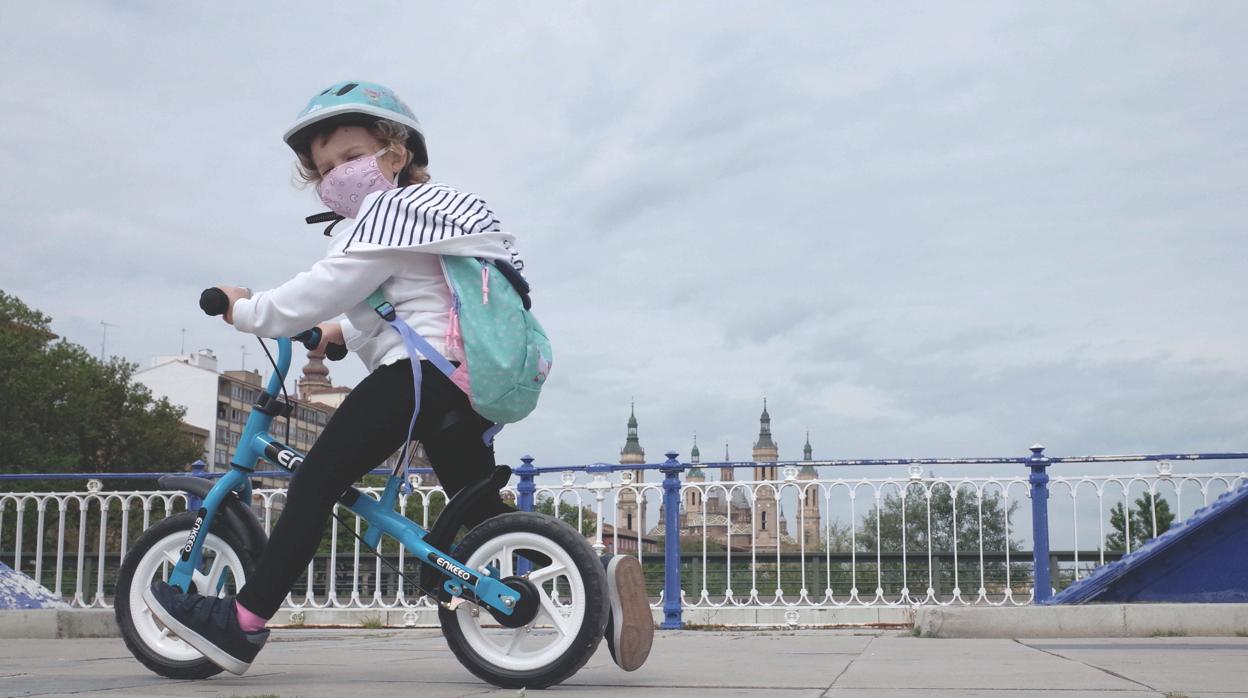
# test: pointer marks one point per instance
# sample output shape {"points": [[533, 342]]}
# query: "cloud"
{"points": [[917, 231]]}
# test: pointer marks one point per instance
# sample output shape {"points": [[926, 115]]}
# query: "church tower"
{"points": [[315, 378], [633, 453], [727, 473], [631, 513], [809, 495], [767, 527], [694, 496], [315, 386], [765, 449]]}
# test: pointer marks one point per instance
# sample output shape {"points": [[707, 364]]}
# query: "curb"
{"points": [[1090, 620], [756, 617], [58, 624], [1016, 622], [48, 624]]}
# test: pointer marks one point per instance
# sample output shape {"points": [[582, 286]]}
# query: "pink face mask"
{"points": [[344, 187]]}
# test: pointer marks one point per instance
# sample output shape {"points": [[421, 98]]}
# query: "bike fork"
{"points": [[183, 572]]}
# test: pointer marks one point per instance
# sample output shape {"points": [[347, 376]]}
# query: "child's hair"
{"points": [[390, 133]]}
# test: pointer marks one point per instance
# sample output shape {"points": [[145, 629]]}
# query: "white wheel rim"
{"points": [[558, 620], [218, 559]]}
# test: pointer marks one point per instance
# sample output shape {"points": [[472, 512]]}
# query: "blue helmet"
{"points": [[356, 102]]}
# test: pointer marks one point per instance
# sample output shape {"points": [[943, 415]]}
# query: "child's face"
{"points": [[347, 143]]}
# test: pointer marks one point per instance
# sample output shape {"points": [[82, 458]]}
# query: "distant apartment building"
{"points": [[219, 403], [197, 435]]}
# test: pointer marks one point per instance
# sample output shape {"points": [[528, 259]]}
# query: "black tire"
{"points": [[178, 525], [585, 564]]}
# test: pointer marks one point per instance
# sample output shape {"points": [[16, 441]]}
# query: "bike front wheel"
{"points": [[223, 570], [570, 602]]}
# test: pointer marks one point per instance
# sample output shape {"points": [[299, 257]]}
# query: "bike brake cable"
{"points": [[285, 394]]}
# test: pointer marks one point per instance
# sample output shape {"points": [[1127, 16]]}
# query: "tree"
{"points": [[832, 535], [978, 516], [63, 410], [588, 524], [1142, 522], [969, 523]]}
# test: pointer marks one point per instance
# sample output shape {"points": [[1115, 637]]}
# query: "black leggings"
{"points": [[369, 426]]}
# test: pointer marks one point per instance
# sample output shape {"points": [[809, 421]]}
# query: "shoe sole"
{"points": [[194, 639], [630, 608]]}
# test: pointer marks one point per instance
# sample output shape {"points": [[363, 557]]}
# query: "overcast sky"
{"points": [[919, 229]]}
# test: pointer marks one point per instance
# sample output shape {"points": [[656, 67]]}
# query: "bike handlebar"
{"points": [[213, 301], [312, 339]]}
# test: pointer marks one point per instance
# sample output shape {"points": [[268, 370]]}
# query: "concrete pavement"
{"points": [[859, 664]]}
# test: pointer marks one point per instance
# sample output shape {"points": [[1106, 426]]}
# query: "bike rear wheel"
{"points": [[223, 570], [571, 596]]}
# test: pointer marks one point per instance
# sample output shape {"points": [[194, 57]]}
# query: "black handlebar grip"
{"points": [[311, 339], [213, 301]]}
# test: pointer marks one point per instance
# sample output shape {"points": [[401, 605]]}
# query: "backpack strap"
{"points": [[417, 347], [516, 280]]}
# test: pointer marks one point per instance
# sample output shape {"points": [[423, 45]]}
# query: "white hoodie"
{"points": [[393, 245]]}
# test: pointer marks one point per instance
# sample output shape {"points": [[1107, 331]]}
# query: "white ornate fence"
{"points": [[867, 549], [845, 564]]}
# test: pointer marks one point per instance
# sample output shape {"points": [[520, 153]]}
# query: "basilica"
{"points": [[720, 510]]}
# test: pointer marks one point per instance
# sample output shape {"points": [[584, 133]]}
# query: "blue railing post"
{"points": [[198, 469], [671, 542], [526, 487], [1039, 464], [524, 501]]}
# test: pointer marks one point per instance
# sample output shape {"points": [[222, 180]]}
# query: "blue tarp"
{"points": [[1204, 559]]}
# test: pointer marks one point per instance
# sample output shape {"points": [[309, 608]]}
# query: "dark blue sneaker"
{"points": [[630, 628], [207, 623]]}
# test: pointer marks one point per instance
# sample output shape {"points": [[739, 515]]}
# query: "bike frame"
{"points": [[257, 444]]}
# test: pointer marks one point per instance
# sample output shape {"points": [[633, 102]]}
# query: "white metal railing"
{"points": [[835, 561], [787, 543]]}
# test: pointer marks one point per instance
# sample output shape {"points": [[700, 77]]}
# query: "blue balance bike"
{"points": [[522, 598]]}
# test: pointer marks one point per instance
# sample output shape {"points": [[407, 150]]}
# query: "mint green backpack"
{"points": [[502, 350]]}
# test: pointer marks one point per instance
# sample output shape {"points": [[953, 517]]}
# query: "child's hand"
{"points": [[233, 293], [331, 333]]}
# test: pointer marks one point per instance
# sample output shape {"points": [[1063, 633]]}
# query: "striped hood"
{"points": [[431, 218]]}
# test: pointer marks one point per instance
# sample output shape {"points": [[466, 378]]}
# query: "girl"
{"points": [[365, 152]]}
